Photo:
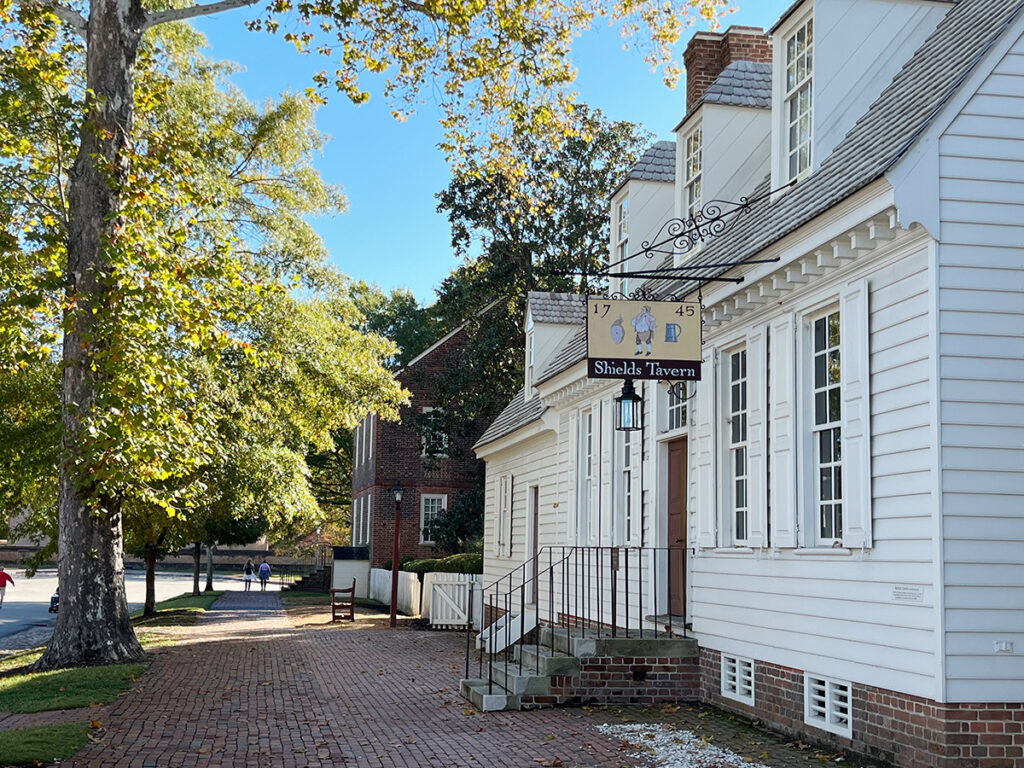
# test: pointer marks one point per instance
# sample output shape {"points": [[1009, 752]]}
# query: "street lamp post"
{"points": [[397, 490]]}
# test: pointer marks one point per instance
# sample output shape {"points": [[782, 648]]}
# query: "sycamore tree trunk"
{"points": [[93, 625], [196, 554]]}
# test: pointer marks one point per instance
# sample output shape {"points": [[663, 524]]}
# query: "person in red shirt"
{"points": [[5, 579]]}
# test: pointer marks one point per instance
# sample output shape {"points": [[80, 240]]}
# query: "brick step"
{"points": [[486, 698]]}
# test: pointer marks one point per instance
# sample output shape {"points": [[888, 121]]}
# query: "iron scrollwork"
{"points": [[641, 294], [681, 235]]}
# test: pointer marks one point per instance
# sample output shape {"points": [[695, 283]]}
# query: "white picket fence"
{"points": [[449, 599], [408, 590]]}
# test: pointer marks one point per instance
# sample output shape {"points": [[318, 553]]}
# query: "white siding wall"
{"points": [[981, 319], [529, 464], [839, 614]]}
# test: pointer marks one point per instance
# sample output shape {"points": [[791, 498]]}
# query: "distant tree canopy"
{"points": [[521, 236], [516, 235]]}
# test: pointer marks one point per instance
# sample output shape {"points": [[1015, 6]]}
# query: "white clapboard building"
{"points": [[844, 486]]}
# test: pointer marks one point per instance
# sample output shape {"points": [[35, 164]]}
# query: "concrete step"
{"points": [[519, 683], [506, 631], [475, 691], [588, 643], [545, 662]]}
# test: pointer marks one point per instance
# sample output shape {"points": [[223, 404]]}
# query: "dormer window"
{"points": [[692, 173], [622, 240], [531, 351], [798, 107]]}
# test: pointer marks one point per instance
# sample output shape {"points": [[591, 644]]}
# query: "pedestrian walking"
{"points": [[249, 573], [5, 579], [264, 575]]}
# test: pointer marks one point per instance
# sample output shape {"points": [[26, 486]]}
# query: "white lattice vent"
{"points": [[827, 705], [738, 679]]}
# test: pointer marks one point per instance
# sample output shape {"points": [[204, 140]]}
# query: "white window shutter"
{"points": [[572, 495], [495, 531], [855, 375], [511, 514], [782, 429], [757, 495], [704, 453]]}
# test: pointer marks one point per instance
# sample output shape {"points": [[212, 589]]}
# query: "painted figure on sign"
{"points": [[618, 332], [645, 325]]}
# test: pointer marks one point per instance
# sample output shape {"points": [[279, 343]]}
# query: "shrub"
{"points": [[421, 566], [467, 562], [401, 563]]}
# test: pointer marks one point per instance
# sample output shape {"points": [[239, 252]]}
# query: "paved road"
{"points": [[26, 604]]}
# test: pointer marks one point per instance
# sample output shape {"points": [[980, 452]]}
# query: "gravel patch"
{"points": [[669, 747]]}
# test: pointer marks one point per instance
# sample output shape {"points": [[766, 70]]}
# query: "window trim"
{"points": [[423, 499], [729, 447], [620, 237], [681, 406], [424, 453], [697, 179], [788, 95], [814, 429]]}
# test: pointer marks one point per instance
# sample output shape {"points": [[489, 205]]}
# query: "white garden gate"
{"points": [[449, 599]]}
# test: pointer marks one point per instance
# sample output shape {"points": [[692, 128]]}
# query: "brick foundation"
{"points": [[903, 730], [624, 680]]}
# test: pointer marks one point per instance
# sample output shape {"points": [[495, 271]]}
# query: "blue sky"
{"points": [[390, 171]]}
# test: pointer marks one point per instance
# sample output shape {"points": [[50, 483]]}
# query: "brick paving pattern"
{"points": [[246, 689]]}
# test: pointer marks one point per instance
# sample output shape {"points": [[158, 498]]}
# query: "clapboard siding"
{"points": [[981, 318], [837, 614], [528, 466]]}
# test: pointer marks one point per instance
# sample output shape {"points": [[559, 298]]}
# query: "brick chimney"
{"points": [[708, 53]]}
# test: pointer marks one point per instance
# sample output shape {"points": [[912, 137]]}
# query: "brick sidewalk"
{"points": [[248, 689]]}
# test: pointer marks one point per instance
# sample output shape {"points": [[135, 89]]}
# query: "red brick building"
{"points": [[434, 469]]}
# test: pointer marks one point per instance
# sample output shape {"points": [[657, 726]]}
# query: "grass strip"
{"points": [[20, 659], [42, 744], [66, 688]]}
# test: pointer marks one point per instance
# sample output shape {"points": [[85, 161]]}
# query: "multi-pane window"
{"points": [[692, 173], [435, 436], [627, 465], [587, 474], [622, 240], [737, 432], [362, 508], [431, 505], [798, 99], [368, 438], [828, 466], [502, 537], [622, 230], [676, 411]]}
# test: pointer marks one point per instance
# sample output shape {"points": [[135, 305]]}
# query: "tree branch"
{"points": [[72, 17], [179, 14]]}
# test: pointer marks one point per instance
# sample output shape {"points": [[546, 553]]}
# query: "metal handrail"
{"points": [[603, 589]]}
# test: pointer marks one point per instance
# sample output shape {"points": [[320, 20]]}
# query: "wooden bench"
{"points": [[343, 601]]}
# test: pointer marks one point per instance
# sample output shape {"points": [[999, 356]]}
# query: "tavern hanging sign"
{"points": [[645, 339]]}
